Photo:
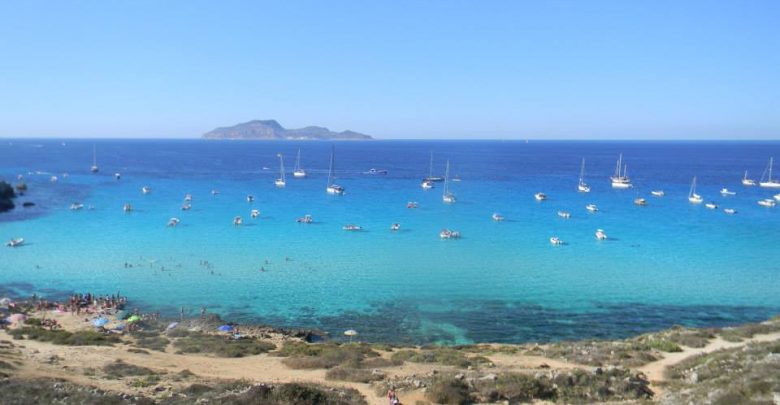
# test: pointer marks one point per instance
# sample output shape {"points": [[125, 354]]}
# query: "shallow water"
{"points": [[667, 263]]}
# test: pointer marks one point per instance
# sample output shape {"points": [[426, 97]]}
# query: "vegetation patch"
{"points": [[63, 337], [360, 375], [327, 355], [220, 346], [120, 369], [443, 355]]}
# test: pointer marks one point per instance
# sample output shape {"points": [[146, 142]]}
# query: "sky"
{"points": [[393, 69]]}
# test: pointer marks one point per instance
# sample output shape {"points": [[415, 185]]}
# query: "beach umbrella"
{"points": [[351, 333], [225, 328], [172, 325], [134, 318], [100, 322], [17, 318]]}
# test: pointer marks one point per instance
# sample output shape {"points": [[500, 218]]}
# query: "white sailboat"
{"points": [[620, 179], [94, 168], [431, 177], [582, 187], [281, 181], [692, 196], [332, 187], [748, 182], [447, 196], [298, 171], [769, 183]]}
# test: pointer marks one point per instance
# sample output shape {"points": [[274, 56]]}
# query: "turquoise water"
{"points": [[667, 263]]}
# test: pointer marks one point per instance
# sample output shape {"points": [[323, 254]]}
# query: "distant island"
{"points": [[270, 129]]}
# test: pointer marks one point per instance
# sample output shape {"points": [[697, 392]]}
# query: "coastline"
{"points": [[156, 355]]}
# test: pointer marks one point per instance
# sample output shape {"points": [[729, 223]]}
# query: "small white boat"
{"points": [[426, 184], [298, 171], [640, 201], [620, 179], [352, 227], [746, 181], [692, 196], [730, 211], [76, 206], [540, 196], [592, 208], [187, 197], [255, 213], [332, 187], [497, 217], [237, 221], [726, 192], [15, 242], [186, 207], [281, 181], [117, 176], [431, 178], [53, 179], [564, 214], [767, 202], [173, 222], [375, 172], [600, 234], [412, 204], [127, 207], [583, 187], [146, 189], [556, 241], [447, 196], [250, 198], [306, 219], [214, 192], [94, 168], [777, 197], [657, 193], [395, 227], [769, 182], [449, 234], [711, 205]]}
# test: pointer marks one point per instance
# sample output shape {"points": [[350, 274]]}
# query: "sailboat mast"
{"points": [[447, 179], [430, 166], [281, 167], [771, 159], [94, 155], [582, 170], [298, 161], [330, 169], [693, 187]]}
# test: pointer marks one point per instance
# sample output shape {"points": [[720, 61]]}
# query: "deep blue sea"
{"points": [[670, 262]]}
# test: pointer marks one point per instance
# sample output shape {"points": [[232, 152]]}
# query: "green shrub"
{"points": [[120, 369], [219, 346], [444, 356], [327, 355], [448, 391], [63, 337]]}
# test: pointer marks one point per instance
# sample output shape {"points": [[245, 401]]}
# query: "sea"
{"points": [[667, 263]]}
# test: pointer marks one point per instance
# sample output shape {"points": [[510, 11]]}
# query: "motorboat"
{"points": [[711, 205], [777, 197], [53, 179], [173, 222], [298, 171], [374, 172], [146, 189], [15, 242], [76, 206], [281, 181], [556, 241], [767, 202], [117, 175], [395, 227], [127, 207], [250, 198], [640, 201], [352, 227], [620, 179], [600, 234], [564, 214], [449, 234], [657, 193], [447, 197], [726, 192], [412, 204], [692, 196], [748, 182], [214, 192], [497, 217], [583, 187], [730, 211], [769, 182], [94, 168], [186, 207], [592, 208], [306, 219], [255, 213], [540, 196], [187, 197], [332, 187], [426, 184], [237, 221]]}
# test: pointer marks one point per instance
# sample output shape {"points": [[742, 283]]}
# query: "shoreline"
{"points": [[634, 369]]}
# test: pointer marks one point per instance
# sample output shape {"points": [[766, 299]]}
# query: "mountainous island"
{"points": [[270, 129]]}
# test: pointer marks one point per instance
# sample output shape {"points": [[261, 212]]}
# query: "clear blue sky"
{"points": [[393, 69]]}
